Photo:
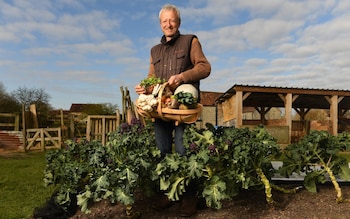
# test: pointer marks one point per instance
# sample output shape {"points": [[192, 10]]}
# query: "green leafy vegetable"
{"points": [[222, 161], [317, 156], [148, 82], [186, 98], [92, 172]]}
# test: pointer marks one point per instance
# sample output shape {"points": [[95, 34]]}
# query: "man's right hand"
{"points": [[139, 89]]}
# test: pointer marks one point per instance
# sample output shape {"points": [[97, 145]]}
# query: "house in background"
{"points": [[209, 111]]}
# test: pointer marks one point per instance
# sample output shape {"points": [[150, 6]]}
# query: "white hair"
{"points": [[171, 7]]}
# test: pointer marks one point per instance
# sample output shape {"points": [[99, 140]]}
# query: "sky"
{"points": [[85, 51]]}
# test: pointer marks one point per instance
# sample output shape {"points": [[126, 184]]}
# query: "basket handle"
{"points": [[160, 94]]}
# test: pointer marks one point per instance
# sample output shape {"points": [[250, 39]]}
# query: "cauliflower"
{"points": [[147, 102]]}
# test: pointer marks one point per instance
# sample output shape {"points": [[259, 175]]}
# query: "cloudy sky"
{"points": [[83, 51]]}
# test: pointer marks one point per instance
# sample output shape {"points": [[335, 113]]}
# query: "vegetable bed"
{"points": [[225, 162]]}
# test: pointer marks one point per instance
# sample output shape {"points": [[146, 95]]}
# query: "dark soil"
{"points": [[248, 204]]}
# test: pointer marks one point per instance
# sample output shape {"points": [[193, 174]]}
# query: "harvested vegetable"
{"points": [[147, 102], [150, 81]]}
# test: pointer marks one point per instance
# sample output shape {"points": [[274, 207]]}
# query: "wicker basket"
{"points": [[179, 116]]}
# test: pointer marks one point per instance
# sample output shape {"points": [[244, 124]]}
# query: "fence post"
{"points": [[16, 122], [103, 130], [59, 137], [24, 130], [71, 126], [88, 128], [42, 139]]}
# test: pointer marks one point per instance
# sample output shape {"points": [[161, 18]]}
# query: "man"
{"points": [[178, 59]]}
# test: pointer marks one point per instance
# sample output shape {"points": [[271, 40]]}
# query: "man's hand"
{"points": [[139, 89], [175, 81]]}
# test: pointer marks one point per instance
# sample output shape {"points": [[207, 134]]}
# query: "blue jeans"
{"points": [[164, 137]]}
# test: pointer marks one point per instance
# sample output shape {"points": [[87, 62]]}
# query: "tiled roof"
{"points": [[209, 98]]}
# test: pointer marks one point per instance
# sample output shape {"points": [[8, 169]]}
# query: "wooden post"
{"points": [[334, 114], [16, 122], [62, 121], [123, 103], [88, 128], [118, 117], [59, 138], [103, 132], [288, 114], [32, 110], [71, 125], [239, 109], [24, 131], [42, 142]]}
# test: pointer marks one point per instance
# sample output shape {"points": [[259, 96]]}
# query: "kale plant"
{"points": [[317, 156], [222, 161], [93, 172]]}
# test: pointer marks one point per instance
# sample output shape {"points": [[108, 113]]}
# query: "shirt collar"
{"points": [[163, 40]]}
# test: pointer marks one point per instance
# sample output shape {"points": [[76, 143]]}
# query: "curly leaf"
{"points": [[214, 192], [194, 168], [83, 200], [177, 189], [164, 183], [173, 161], [124, 197], [129, 175], [101, 183]]}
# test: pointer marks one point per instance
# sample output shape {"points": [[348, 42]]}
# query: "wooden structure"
{"points": [[43, 138], [9, 121], [98, 127], [235, 99], [209, 111]]}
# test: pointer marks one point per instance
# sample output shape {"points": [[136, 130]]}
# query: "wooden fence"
{"points": [[43, 138], [9, 121], [98, 127]]}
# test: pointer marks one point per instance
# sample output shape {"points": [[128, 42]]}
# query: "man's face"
{"points": [[169, 23]]}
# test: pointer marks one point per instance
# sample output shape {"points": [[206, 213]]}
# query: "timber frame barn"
{"points": [[232, 103]]}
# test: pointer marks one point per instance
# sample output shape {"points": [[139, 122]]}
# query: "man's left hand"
{"points": [[175, 81]]}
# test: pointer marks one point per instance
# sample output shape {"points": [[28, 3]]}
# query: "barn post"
{"points": [[334, 114], [239, 109]]}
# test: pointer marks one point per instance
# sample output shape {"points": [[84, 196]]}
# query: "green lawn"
{"points": [[22, 187]]}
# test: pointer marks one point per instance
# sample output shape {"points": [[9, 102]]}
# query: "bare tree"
{"points": [[27, 96]]}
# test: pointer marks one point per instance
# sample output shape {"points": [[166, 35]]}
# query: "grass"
{"points": [[22, 187]]}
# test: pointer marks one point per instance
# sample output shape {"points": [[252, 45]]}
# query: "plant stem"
{"points": [[286, 191], [335, 184], [267, 185], [130, 213]]}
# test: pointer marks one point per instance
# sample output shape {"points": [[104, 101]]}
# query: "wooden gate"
{"points": [[43, 138], [98, 127]]}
